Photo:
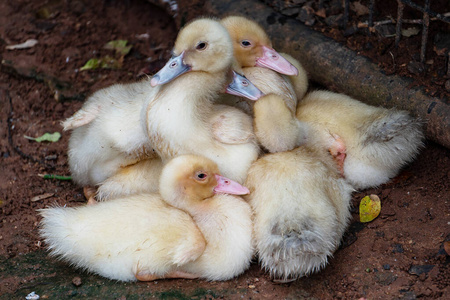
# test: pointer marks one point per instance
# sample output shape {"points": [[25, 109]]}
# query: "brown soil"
{"points": [[399, 255]]}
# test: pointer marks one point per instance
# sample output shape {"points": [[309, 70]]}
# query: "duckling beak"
{"points": [[228, 186], [242, 87], [172, 69], [273, 60]]}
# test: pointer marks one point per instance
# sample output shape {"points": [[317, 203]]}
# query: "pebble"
{"points": [[416, 67], [447, 85], [420, 269], [76, 281]]}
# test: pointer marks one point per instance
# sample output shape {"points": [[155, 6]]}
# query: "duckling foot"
{"points": [[171, 275], [338, 151], [89, 193]]}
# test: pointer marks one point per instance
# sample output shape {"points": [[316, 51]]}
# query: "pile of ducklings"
{"points": [[221, 156]]}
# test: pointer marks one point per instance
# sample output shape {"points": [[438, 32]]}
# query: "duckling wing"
{"points": [[82, 117], [230, 125]]}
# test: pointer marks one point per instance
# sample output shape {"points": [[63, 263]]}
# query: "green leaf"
{"points": [[52, 176], [46, 137], [120, 46], [369, 208], [91, 64], [106, 62]]}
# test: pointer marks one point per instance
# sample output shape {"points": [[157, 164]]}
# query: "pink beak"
{"points": [[271, 59], [228, 186]]}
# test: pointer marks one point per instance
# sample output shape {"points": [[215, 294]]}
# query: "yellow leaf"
{"points": [[369, 208]]}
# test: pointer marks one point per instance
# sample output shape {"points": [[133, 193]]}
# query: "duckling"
{"points": [[253, 48], [250, 42], [371, 144], [203, 52], [195, 228], [125, 123], [300, 209]]}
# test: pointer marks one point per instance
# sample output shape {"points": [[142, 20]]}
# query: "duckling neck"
{"points": [[177, 116]]}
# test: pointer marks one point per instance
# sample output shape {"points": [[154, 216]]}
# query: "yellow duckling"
{"points": [[262, 66], [300, 202], [192, 230], [253, 48]]}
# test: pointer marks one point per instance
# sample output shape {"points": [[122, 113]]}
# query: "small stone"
{"points": [[76, 281], [306, 15], [291, 11], [420, 269], [447, 85], [351, 31], [385, 278], [398, 248], [386, 30], [416, 67], [335, 20], [387, 267]]}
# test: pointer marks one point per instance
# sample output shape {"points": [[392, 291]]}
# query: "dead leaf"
{"points": [[321, 13], [42, 197], [410, 31], [27, 44], [369, 208], [447, 247], [359, 8]]}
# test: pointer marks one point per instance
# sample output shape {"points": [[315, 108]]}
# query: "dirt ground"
{"points": [[398, 255]]}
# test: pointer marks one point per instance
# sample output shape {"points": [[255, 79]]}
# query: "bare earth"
{"points": [[398, 255]]}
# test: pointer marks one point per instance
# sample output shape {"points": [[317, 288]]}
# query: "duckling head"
{"points": [[190, 179], [253, 48], [203, 45]]}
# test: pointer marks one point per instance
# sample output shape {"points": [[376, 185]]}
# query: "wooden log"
{"points": [[336, 67]]}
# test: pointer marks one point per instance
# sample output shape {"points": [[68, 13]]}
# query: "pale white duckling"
{"points": [[300, 210], [192, 230], [371, 144], [125, 123], [180, 124]]}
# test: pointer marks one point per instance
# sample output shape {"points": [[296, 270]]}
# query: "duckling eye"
{"points": [[201, 176], [201, 46], [246, 43]]}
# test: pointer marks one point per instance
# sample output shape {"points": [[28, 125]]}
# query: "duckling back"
{"points": [[122, 237], [301, 210]]}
